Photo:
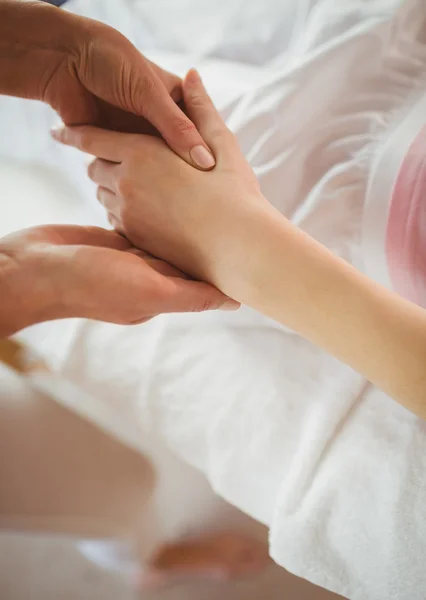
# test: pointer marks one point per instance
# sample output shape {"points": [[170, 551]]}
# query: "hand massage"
{"points": [[295, 210]]}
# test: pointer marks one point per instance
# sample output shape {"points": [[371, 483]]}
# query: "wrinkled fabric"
{"points": [[395, 211], [283, 431]]}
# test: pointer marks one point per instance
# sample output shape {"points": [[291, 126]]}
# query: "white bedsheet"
{"points": [[283, 431]]}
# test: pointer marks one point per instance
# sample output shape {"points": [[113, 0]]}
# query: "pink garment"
{"points": [[406, 229], [395, 211]]}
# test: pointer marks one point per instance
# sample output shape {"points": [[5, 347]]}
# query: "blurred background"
{"points": [[235, 44]]}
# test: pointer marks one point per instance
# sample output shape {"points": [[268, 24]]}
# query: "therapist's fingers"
{"points": [[179, 132], [71, 235], [171, 82], [204, 114], [181, 295], [109, 145], [75, 235], [104, 173], [158, 265]]}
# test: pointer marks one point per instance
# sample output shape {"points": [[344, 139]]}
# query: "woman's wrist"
{"points": [[231, 260], [35, 37], [247, 251]]}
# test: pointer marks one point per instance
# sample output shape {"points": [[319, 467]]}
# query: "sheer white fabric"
{"points": [[283, 431]]}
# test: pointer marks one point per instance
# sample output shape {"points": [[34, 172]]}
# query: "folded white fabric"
{"points": [[283, 431]]}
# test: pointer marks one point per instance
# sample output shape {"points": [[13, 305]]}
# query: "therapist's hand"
{"points": [[60, 271], [91, 74], [207, 223]]}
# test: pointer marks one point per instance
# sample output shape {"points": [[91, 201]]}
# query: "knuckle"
{"points": [[146, 82], [139, 320], [125, 215], [124, 186], [115, 223], [134, 158], [184, 126], [158, 290], [204, 305], [220, 132], [197, 100], [220, 138], [143, 88], [84, 140], [91, 169], [216, 134]]}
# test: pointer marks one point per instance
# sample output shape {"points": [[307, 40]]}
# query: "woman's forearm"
{"points": [[298, 282], [35, 38]]}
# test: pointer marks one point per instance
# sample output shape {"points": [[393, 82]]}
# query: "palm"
{"points": [[98, 274], [116, 278]]}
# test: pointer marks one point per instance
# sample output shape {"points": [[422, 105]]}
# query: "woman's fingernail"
{"points": [[57, 133], [230, 305], [202, 157]]}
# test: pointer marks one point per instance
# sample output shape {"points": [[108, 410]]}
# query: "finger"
{"points": [[76, 235], [171, 82], [103, 173], [132, 85], [181, 295], [161, 266], [115, 223], [108, 200], [109, 145], [203, 113], [116, 119], [177, 129]]}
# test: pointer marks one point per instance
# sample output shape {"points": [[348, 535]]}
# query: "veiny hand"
{"points": [[108, 82], [91, 74], [58, 271], [202, 221]]}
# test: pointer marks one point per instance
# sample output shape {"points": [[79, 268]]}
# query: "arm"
{"points": [[298, 282], [61, 271], [219, 227]]}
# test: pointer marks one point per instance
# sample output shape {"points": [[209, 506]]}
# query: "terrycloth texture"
{"points": [[283, 431]]}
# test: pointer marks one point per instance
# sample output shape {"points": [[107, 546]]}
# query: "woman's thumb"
{"points": [[176, 128], [200, 107]]}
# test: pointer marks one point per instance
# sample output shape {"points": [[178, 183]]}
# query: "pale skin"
{"points": [[53, 56], [64, 271], [218, 227], [59, 58], [54, 272]]}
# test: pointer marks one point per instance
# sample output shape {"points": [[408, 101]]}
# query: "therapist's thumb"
{"points": [[177, 129], [203, 112], [183, 295]]}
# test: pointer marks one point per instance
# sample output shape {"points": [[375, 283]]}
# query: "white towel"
{"points": [[283, 431]]}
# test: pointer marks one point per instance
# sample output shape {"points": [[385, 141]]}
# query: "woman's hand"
{"points": [[217, 226], [91, 74], [60, 271], [202, 221]]}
